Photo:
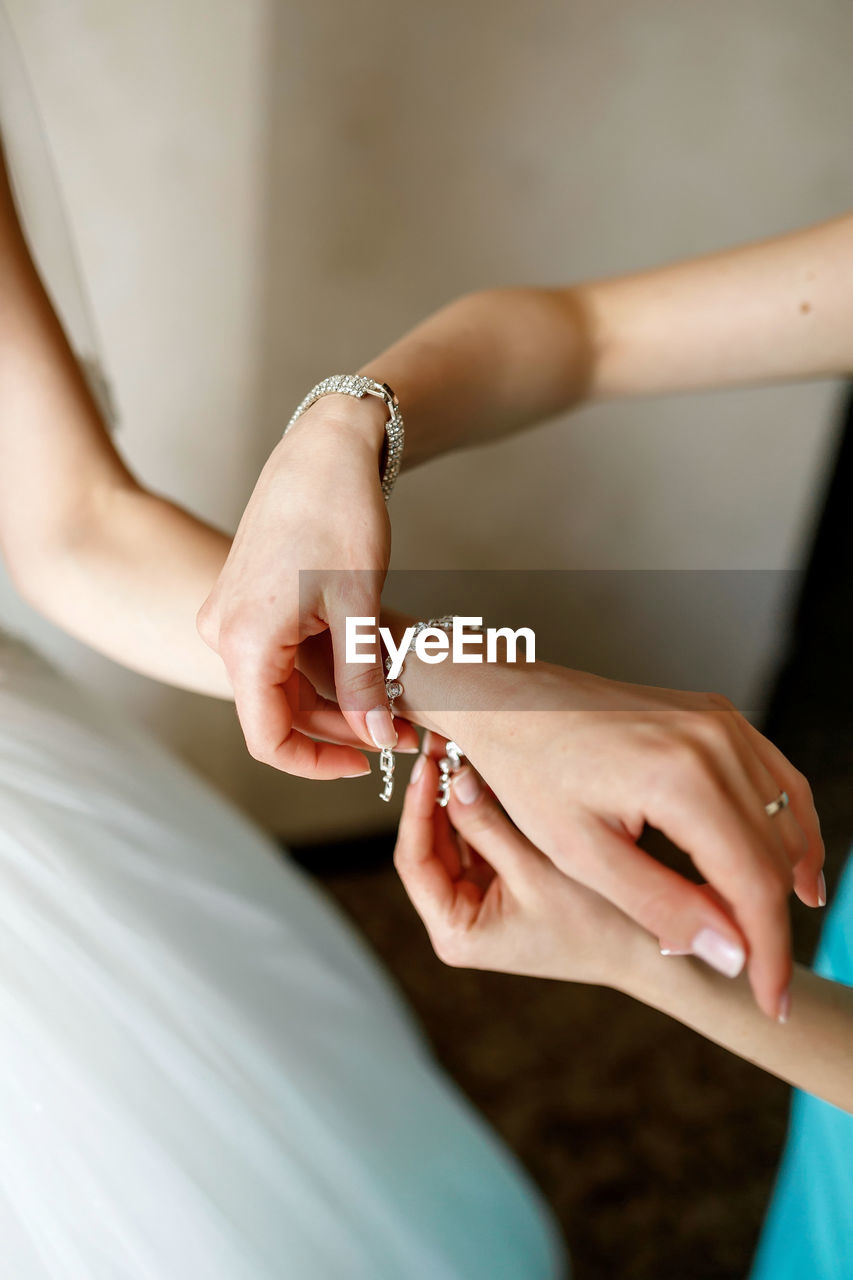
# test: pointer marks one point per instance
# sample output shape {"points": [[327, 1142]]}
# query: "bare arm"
{"points": [[496, 361], [493, 362], [813, 1050], [115, 565]]}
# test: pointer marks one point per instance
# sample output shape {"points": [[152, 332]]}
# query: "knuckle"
{"points": [[799, 788], [447, 945], [400, 851], [688, 762], [206, 624], [670, 764], [238, 643], [258, 749], [662, 749], [719, 702], [711, 730]]}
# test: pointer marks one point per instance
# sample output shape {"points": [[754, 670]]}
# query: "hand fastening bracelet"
{"points": [[354, 384], [452, 760]]}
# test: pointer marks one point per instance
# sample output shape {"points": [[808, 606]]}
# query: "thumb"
{"points": [[360, 686]]}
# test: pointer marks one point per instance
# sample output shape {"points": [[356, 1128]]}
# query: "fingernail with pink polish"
{"points": [[466, 786], [380, 726], [821, 889], [720, 953], [417, 770], [675, 951], [362, 773], [784, 1011]]}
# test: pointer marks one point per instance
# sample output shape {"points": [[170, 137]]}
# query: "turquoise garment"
{"points": [[808, 1234]]}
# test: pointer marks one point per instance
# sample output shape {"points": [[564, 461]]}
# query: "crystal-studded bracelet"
{"points": [[355, 384], [452, 760]]}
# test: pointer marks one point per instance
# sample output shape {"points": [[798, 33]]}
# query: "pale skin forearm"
{"points": [[813, 1050], [56, 460], [129, 585], [115, 565], [496, 361]]}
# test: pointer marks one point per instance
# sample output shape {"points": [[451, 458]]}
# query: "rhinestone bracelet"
{"points": [[354, 384], [452, 760]]}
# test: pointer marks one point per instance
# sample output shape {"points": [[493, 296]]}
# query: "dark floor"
{"points": [[655, 1148]]}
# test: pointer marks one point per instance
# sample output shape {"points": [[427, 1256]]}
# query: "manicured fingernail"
{"points": [[720, 953], [380, 726], [674, 951], [409, 751], [466, 786], [417, 770], [362, 773], [784, 1011], [821, 889]]}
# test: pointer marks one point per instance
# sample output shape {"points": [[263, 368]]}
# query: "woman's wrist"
{"points": [[366, 419], [477, 704], [443, 696], [629, 961], [339, 417], [640, 971], [682, 987]]}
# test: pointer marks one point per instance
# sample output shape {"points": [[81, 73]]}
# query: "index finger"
{"points": [[266, 719], [731, 855]]}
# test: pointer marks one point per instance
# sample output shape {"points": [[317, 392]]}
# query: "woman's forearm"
{"points": [[776, 310], [487, 365], [118, 567], [129, 584], [496, 361], [813, 1050], [56, 459]]}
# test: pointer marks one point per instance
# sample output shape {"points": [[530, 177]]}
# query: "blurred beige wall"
{"points": [[263, 193]]}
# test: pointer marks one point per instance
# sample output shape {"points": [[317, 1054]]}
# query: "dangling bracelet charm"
{"points": [[393, 691], [447, 766], [386, 768]]}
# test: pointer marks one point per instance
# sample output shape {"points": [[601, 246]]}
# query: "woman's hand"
{"points": [[312, 548], [490, 900], [582, 764]]}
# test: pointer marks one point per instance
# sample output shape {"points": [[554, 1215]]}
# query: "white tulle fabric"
{"points": [[202, 1072]]}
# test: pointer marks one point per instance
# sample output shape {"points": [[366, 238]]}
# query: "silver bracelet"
{"points": [[452, 760], [354, 384]]}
